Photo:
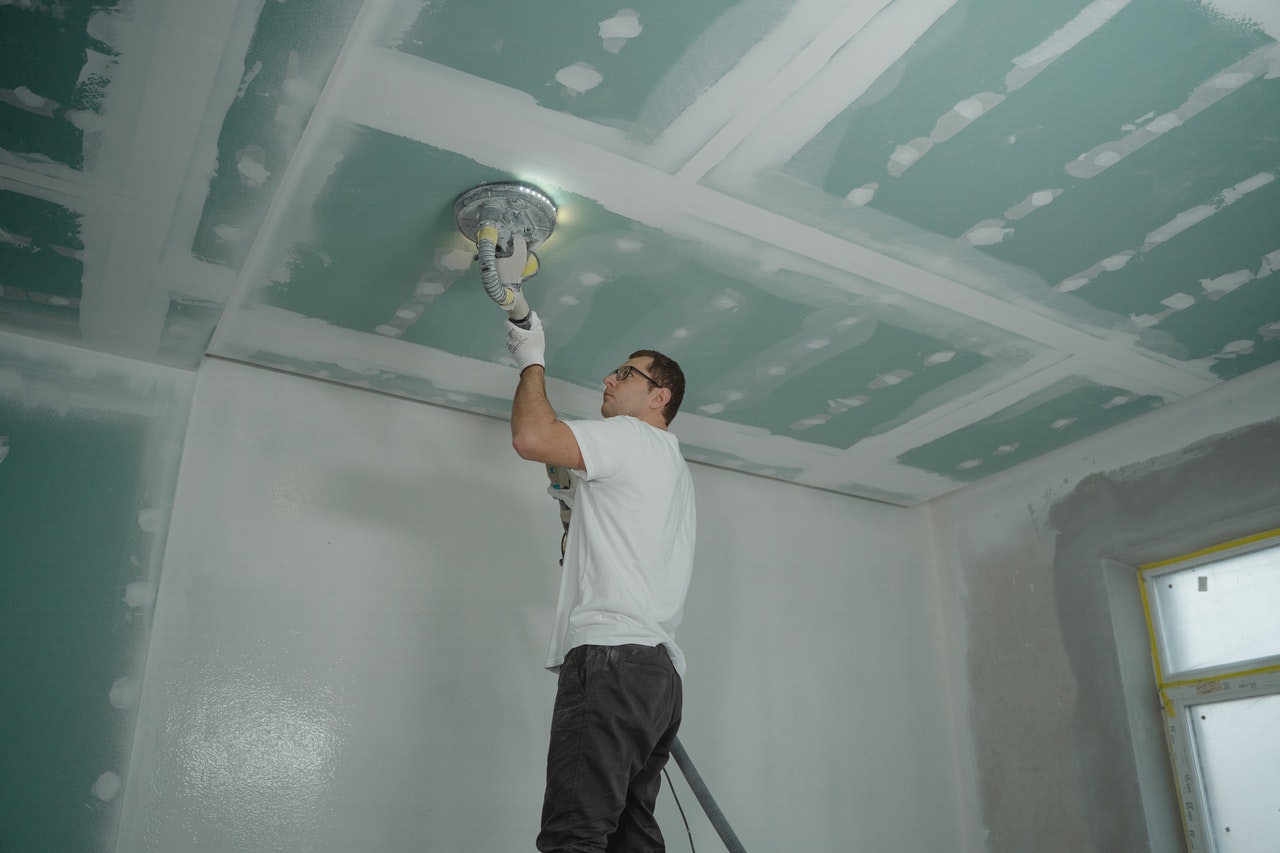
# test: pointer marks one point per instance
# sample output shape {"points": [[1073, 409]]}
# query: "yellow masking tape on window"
{"points": [[1257, 537]]}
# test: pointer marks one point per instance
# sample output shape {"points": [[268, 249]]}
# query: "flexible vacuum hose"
{"points": [[718, 820], [509, 299]]}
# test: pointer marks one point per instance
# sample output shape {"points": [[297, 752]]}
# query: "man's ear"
{"points": [[659, 401]]}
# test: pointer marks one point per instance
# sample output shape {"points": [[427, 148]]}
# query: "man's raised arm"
{"points": [[536, 433]]}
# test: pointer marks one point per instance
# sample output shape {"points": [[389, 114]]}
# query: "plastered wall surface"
{"points": [[353, 611], [1067, 754], [820, 697], [350, 631], [349, 636], [89, 449]]}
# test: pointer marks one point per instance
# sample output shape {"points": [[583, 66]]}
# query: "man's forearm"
{"points": [[531, 410]]}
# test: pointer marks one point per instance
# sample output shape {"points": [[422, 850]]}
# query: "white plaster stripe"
{"points": [[1089, 20], [796, 109], [75, 365], [740, 85], [141, 171], [751, 111]]}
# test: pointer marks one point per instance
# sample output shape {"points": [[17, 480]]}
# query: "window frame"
{"points": [[1180, 692]]}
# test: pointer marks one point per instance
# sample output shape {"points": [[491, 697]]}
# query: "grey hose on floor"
{"points": [[718, 820]]}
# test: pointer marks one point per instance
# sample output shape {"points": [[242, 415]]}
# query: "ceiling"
{"points": [[898, 245]]}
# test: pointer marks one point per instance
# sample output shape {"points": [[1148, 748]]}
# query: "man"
{"points": [[627, 563]]}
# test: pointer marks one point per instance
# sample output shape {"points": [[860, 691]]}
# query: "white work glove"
{"points": [[527, 347]]}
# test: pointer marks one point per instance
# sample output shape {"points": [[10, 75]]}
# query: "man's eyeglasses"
{"points": [[624, 373]]}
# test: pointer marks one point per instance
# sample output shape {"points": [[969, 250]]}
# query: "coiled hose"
{"points": [[510, 299]]}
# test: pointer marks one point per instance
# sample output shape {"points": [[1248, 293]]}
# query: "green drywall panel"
{"points": [[69, 497], [1085, 96], [935, 74], [43, 48], [40, 270], [652, 288], [1055, 417], [290, 56], [44, 223], [37, 270], [1230, 364], [1187, 266], [1150, 187], [373, 232], [681, 49], [372, 240], [91, 446], [858, 373]]}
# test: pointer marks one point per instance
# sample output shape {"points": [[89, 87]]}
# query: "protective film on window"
{"points": [[1237, 746], [1217, 614]]}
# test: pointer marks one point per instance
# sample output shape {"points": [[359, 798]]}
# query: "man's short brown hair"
{"points": [[667, 373]]}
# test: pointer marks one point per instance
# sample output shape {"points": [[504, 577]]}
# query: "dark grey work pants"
{"points": [[616, 714]]}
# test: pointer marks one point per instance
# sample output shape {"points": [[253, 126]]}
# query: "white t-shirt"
{"points": [[629, 555]]}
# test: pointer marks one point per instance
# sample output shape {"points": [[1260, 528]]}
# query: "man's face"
{"points": [[628, 396]]}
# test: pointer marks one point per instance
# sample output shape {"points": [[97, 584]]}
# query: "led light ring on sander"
{"points": [[511, 207]]}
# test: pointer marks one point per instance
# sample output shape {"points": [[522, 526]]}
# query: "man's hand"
{"points": [[527, 347]]}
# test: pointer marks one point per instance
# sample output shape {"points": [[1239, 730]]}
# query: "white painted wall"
{"points": [[353, 614], [815, 695], [1065, 738]]}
